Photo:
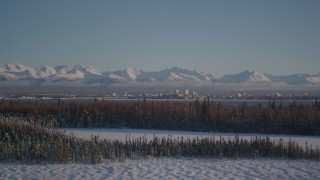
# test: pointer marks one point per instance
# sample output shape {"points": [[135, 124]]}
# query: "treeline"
{"points": [[31, 143], [169, 115], [27, 143]]}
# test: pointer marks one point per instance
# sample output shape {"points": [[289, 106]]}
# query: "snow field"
{"points": [[168, 168]]}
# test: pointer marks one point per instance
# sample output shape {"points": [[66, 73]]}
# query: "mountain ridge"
{"points": [[88, 74]]}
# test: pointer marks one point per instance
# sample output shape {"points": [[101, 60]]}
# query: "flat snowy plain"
{"points": [[170, 168]]}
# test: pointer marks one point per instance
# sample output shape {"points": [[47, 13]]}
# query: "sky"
{"points": [[280, 37]]}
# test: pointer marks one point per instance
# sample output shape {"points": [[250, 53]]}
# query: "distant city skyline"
{"points": [[216, 37]]}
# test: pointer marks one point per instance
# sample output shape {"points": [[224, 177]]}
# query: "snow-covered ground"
{"points": [[168, 168], [122, 134]]}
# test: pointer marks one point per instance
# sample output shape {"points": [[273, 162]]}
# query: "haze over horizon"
{"points": [[217, 37]]}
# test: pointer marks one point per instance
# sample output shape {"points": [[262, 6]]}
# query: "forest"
{"points": [[31, 143], [29, 130], [206, 116]]}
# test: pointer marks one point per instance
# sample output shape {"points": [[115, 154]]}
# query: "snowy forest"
{"points": [[207, 116], [31, 143], [29, 130]]}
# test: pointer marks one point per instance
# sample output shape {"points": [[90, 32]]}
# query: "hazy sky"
{"points": [[218, 37]]}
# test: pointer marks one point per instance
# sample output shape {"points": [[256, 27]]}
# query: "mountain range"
{"points": [[54, 75]]}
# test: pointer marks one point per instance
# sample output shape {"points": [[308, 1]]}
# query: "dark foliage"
{"points": [[31, 143], [191, 116]]}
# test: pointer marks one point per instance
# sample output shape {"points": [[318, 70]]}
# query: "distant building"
{"points": [[239, 95], [186, 92], [177, 92]]}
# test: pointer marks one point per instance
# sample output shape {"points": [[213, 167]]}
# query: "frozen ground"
{"points": [[122, 134], [168, 169]]}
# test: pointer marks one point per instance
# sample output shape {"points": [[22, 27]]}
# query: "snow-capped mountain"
{"points": [[62, 69], [29, 73], [245, 76], [132, 73], [290, 79], [314, 79], [171, 75], [83, 72], [127, 74], [45, 71], [89, 75], [18, 71], [7, 76], [112, 77], [179, 74], [296, 78], [78, 72], [175, 74], [15, 67]]}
